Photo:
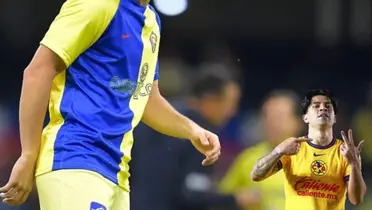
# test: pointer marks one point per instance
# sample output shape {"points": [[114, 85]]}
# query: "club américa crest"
{"points": [[319, 167]]}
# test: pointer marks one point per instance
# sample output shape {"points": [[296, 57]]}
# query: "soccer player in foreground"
{"points": [[319, 169], [98, 67]]}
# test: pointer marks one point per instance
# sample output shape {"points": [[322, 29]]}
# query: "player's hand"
{"points": [[290, 146], [20, 183], [348, 149], [208, 144]]}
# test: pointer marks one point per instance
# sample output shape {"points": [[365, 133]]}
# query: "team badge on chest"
{"points": [[319, 167]]}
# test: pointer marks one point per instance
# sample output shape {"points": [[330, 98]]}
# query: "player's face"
{"points": [[320, 112], [280, 119]]}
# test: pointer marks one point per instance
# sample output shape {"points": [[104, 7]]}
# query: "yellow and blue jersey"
{"points": [[110, 48]]}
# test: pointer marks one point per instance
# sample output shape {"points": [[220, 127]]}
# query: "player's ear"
{"points": [[304, 118]]}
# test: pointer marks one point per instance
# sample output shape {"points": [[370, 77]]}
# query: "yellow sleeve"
{"points": [[238, 175], [79, 24]]}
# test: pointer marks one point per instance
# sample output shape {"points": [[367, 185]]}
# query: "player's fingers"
{"points": [[205, 162], [24, 197], [15, 200], [6, 191], [216, 147], [6, 188], [346, 142], [11, 193], [203, 140], [351, 139], [18, 198], [214, 156], [360, 146], [209, 161]]}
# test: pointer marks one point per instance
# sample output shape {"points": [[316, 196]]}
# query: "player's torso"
{"points": [[118, 69], [103, 98], [315, 178]]}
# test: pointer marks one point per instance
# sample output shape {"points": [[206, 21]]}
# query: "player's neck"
{"points": [[144, 2], [320, 137]]}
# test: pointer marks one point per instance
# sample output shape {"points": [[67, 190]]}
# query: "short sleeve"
{"points": [[79, 24], [156, 77], [285, 161]]}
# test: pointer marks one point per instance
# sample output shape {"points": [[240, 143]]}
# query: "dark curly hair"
{"points": [[318, 92]]}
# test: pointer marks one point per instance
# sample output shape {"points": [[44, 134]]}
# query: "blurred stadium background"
{"points": [[288, 44]]}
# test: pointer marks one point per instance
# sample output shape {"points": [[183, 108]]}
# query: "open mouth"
{"points": [[323, 115]]}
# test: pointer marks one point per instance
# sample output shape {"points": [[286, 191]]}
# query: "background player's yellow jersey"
{"points": [[316, 177], [237, 179]]}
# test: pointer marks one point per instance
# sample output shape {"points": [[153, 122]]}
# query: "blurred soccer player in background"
{"points": [[98, 67], [279, 120], [319, 169], [180, 183]]}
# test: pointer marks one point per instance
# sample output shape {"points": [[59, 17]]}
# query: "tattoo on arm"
{"points": [[267, 166]]}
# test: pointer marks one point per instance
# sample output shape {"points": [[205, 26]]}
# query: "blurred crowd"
{"points": [[167, 174]]}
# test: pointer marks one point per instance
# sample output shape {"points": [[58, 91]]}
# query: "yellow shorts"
{"points": [[79, 190]]}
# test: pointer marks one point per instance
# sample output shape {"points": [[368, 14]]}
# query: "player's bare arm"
{"points": [[266, 166], [356, 186], [270, 164], [37, 82], [161, 116]]}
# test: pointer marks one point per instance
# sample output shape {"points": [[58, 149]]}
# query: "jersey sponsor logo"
{"points": [[319, 167], [134, 88], [123, 85], [307, 186], [153, 41], [125, 36], [97, 206], [317, 155], [143, 89]]}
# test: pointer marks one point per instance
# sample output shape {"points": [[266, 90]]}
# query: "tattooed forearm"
{"points": [[266, 166]]}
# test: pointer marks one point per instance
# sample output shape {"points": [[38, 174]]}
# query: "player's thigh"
{"points": [[74, 190], [122, 201]]}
